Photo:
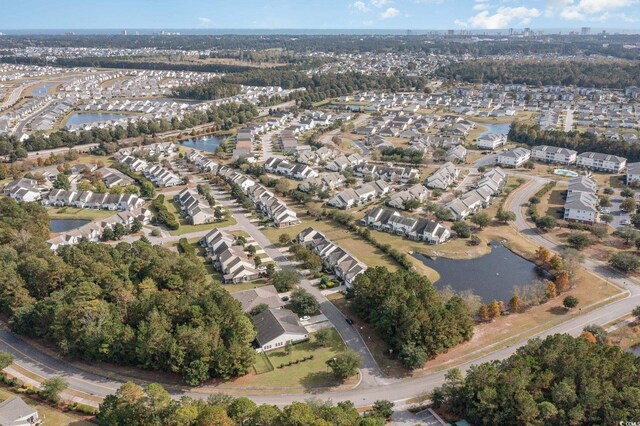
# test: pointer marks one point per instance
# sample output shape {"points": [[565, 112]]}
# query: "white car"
{"points": [[625, 222], [305, 318]]}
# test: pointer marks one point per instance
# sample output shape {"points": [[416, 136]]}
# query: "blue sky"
{"points": [[319, 14]]}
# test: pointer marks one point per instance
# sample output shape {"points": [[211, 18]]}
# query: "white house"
{"points": [[514, 157], [491, 141], [277, 327], [15, 412], [601, 162], [633, 173], [553, 154]]}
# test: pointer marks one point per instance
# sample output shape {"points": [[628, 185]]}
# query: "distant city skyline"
{"points": [[373, 15]]}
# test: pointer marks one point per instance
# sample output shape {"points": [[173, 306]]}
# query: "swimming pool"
{"points": [[564, 172]]}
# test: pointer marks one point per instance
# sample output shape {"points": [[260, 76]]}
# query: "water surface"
{"points": [[492, 276], [93, 117], [64, 225], [204, 143]]}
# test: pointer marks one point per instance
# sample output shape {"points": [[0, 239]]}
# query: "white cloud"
{"points": [[585, 9], [360, 6], [204, 22], [390, 12], [379, 3], [502, 18]]}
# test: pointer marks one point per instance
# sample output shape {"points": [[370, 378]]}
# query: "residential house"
{"points": [[417, 229], [252, 298], [277, 327], [601, 162], [515, 157], [553, 154], [15, 412], [581, 204], [444, 177], [491, 141]]}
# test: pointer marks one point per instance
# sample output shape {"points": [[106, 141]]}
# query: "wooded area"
{"points": [[409, 314], [134, 304], [560, 380]]}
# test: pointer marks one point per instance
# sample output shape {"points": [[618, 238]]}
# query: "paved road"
{"points": [[373, 386], [568, 120]]}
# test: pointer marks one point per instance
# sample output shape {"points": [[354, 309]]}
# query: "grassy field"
{"points": [[234, 288], [186, 228], [305, 375], [76, 213], [49, 415]]}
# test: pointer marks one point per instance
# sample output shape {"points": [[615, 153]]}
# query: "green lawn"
{"points": [[233, 288], [48, 414], [186, 228], [76, 213], [308, 374]]}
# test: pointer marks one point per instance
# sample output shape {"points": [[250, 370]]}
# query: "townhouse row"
{"points": [[352, 197], [92, 200], [229, 258], [482, 195], [581, 204], [334, 258], [416, 229], [283, 167], [264, 200], [195, 207]]}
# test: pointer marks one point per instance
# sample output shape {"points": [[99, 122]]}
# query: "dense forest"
{"points": [[557, 381], [612, 45], [409, 314], [317, 87], [539, 73], [212, 89], [134, 304], [223, 117], [532, 135], [153, 406]]}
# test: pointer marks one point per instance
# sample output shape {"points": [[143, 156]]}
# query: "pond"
{"points": [[42, 90], [93, 117], [492, 276], [501, 129], [64, 225], [204, 143]]}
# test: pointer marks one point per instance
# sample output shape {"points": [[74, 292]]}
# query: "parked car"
{"points": [[349, 321], [305, 318], [625, 222], [285, 298]]}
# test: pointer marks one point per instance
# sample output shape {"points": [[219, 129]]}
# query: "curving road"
{"points": [[373, 387]]}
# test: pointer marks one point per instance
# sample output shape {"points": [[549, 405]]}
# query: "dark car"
{"points": [[349, 321], [285, 299]]}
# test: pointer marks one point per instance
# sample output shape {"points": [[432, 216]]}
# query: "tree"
{"points": [[241, 410], [345, 364], [62, 182], [323, 337], [258, 309], [543, 255], [627, 233], [270, 269], [284, 239], [304, 303], [625, 262], [410, 204], [147, 190], [604, 201], [579, 240], [546, 223], [481, 219], [606, 218], [551, 290], [505, 216], [635, 312], [494, 309], [136, 225], [250, 249], [570, 302], [285, 279], [635, 220], [383, 409], [196, 373], [628, 205], [627, 193], [562, 281], [483, 313], [6, 360], [51, 389], [515, 304], [461, 229]]}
